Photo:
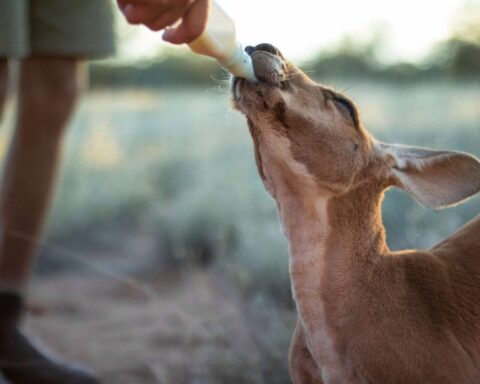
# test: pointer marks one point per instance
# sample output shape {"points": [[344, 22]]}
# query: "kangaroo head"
{"points": [[308, 137]]}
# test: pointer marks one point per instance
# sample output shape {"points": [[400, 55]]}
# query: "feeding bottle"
{"points": [[219, 41]]}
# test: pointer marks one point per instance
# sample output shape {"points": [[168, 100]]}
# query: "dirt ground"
{"points": [[182, 327]]}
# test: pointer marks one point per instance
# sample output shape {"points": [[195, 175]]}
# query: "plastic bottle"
{"points": [[220, 42]]}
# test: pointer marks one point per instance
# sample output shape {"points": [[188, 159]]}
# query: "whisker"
{"points": [[222, 84], [348, 88]]}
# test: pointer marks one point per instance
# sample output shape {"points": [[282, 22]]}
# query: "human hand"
{"points": [[160, 14]]}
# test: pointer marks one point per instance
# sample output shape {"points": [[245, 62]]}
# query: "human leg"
{"points": [[3, 84], [54, 30], [48, 91]]}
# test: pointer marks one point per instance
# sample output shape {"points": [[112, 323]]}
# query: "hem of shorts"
{"points": [[87, 52], [52, 54]]}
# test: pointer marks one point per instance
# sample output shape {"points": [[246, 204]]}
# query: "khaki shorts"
{"points": [[77, 28]]}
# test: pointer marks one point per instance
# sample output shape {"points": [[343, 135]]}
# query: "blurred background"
{"points": [[164, 260]]}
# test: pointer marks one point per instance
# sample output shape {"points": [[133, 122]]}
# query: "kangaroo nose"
{"points": [[249, 49], [265, 47], [268, 64]]}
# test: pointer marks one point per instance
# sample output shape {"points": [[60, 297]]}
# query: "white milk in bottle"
{"points": [[219, 41]]}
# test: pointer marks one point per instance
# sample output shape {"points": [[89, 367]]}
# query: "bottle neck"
{"points": [[240, 64]]}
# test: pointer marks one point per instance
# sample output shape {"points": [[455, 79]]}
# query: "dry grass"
{"points": [[180, 327]]}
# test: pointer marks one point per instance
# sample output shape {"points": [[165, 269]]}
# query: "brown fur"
{"points": [[366, 315]]}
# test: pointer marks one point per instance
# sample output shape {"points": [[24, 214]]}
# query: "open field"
{"points": [[164, 261]]}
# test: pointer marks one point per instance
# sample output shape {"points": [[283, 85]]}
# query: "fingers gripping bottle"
{"points": [[219, 41]]}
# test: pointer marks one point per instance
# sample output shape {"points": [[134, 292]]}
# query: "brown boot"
{"points": [[22, 361]]}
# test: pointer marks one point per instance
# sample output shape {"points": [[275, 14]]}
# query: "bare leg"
{"points": [[3, 84], [303, 369], [48, 91], [3, 97]]}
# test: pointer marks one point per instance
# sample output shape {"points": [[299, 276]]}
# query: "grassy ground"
{"points": [[164, 261], [188, 327]]}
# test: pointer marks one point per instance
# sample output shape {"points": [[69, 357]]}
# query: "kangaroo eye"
{"points": [[345, 103]]}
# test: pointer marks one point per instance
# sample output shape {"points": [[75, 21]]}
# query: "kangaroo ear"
{"points": [[435, 178]]}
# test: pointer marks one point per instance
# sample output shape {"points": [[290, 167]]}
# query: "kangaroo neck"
{"points": [[333, 241], [339, 232]]}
